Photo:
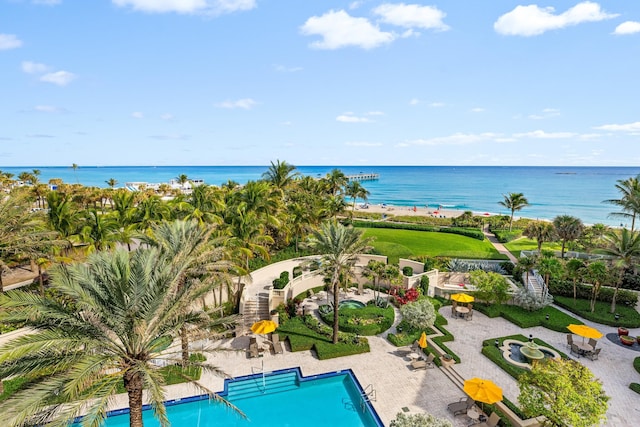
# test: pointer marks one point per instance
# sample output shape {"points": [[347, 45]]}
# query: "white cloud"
{"points": [[60, 78], [351, 118], [47, 109], [533, 20], [477, 110], [414, 101], [137, 115], [33, 67], [627, 127], [245, 103], [167, 116], [540, 134], [283, 69], [412, 16], [629, 27], [363, 144], [338, 29], [210, 7], [9, 41]]}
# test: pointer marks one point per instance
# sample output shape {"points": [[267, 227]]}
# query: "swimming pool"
{"points": [[280, 398]]}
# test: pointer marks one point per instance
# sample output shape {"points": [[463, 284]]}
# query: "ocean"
{"points": [[551, 191]]}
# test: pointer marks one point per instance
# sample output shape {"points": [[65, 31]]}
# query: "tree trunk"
{"points": [[40, 280], [133, 385], [562, 253], [336, 301], [184, 344], [613, 300]]}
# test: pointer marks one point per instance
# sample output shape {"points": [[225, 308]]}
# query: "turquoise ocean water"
{"points": [[551, 191]]}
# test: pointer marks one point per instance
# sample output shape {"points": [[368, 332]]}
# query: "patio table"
{"points": [[584, 347]]}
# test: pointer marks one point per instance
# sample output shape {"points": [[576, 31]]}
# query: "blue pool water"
{"points": [[284, 399]]}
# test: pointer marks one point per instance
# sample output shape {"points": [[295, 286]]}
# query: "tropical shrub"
{"points": [[531, 301], [424, 284], [419, 314], [419, 420], [407, 271], [281, 281], [505, 236], [463, 266], [491, 287], [402, 296], [297, 271]]}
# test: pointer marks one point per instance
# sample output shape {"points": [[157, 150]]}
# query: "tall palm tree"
{"points": [[118, 311], [182, 179], [335, 181], [597, 273], [527, 263], [189, 243], [549, 266], [568, 228], [574, 270], [514, 202], [111, 182], [355, 190], [542, 231], [629, 200], [339, 246], [75, 167], [623, 247], [98, 231], [281, 174]]}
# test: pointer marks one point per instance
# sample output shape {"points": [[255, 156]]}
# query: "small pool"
{"points": [[351, 303], [279, 398]]}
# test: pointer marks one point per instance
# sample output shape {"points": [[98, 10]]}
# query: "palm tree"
{"points": [[98, 231], [340, 247], [624, 248], [335, 181], [597, 273], [574, 270], [629, 200], [374, 271], [119, 311], [355, 190], [111, 182], [280, 174], [182, 179], [75, 167], [527, 263], [548, 266], [514, 202], [568, 228], [189, 243], [542, 231]]}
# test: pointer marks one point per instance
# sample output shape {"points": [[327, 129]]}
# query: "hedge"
{"points": [[473, 233], [558, 320], [505, 236], [628, 317], [347, 317], [565, 288]]}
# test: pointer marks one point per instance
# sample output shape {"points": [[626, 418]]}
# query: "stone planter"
{"points": [[447, 360], [622, 331], [627, 340], [638, 339]]}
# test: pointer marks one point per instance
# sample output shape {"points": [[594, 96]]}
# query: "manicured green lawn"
{"points": [[627, 316], [524, 244], [407, 243]]}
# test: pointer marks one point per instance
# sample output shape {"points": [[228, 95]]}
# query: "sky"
{"points": [[246, 82]]}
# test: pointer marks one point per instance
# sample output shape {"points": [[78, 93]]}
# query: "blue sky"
{"points": [[244, 82]]}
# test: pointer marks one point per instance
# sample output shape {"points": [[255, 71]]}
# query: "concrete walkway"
{"points": [[499, 246]]}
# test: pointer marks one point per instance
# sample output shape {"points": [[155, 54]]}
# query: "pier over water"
{"points": [[363, 177]]}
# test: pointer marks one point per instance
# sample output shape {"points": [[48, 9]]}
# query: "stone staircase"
{"points": [[256, 308]]}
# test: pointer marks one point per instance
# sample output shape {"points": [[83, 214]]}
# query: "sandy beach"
{"points": [[412, 211]]}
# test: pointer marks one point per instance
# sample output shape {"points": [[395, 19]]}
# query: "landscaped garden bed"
{"points": [[369, 320], [557, 321], [627, 316]]}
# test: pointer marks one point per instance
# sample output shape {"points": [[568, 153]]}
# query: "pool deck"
{"points": [[397, 386]]}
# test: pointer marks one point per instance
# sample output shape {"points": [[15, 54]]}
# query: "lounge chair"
{"points": [[429, 361], [254, 351], [461, 406], [277, 345], [569, 340], [493, 421], [403, 351], [593, 355], [576, 350], [419, 364]]}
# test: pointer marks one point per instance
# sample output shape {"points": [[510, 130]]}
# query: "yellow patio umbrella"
{"points": [[422, 342], [264, 327], [585, 331], [463, 298], [482, 390]]}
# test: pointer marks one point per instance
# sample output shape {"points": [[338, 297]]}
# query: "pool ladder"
{"points": [[368, 395]]}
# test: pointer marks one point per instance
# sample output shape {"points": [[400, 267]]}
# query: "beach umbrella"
{"points": [[585, 331], [482, 390], [422, 342], [463, 298], [264, 327]]}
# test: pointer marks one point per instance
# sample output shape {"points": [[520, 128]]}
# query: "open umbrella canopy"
{"points": [[422, 342], [462, 298], [264, 327], [482, 390], [585, 331]]}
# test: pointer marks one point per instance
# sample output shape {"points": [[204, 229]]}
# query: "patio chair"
{"points": [[569, 340], [254, 351], [593, 355], [576, 350], [493, 421], [469, 315], [403, 351], [277, 344], [593, 343], [461, 406], [429, 361], [454, 313]]}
